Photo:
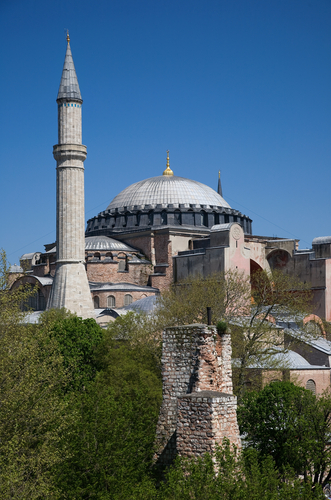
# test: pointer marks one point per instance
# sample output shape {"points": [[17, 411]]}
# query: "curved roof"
{"points": [[106, 243], [103, 243], [320, 240], [69, 88], [167, 190]]}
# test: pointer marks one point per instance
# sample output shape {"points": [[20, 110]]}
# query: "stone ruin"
{"points": [[198, 408]]}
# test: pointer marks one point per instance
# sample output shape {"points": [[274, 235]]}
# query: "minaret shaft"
{"points": [[70, 287]]}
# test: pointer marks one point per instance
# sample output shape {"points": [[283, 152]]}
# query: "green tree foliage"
{"points": [[114, 436], [293, 426], [229, 476], [34, 417], [228, 294], [77, 340]]}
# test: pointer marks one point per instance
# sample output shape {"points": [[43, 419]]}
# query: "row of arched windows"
{"points": [[111, 301], [188, 217]]}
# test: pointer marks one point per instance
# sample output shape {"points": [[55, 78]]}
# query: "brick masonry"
{"points": [[198, 408]]}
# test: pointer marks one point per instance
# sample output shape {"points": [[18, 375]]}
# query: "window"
{"points": [[96, 302], [111, 301], [128, 299], [97, 256], [177, 217], [311, 386], [163, 217], [109, 255]]}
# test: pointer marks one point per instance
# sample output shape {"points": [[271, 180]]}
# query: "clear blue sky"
{"points": [[237, 85]]}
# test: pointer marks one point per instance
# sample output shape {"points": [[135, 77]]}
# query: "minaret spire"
{"points": [[219, 187], [70, 287], [69, 88]]}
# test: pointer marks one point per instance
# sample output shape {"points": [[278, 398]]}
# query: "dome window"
{"points": [[164, 218], [177, 217], [111, 301], [128, 299]]}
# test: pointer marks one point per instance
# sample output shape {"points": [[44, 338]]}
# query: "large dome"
{"points": [[167, 190], [165, 200]]}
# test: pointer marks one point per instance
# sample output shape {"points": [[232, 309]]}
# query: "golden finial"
{"points": [[168, 170], [219, 174], [68, 37]]}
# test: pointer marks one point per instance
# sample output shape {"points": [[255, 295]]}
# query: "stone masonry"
{"points": [[198, 408]]}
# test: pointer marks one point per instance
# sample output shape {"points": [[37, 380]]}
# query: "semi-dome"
{"points": [[167, 191], [101, 242]]}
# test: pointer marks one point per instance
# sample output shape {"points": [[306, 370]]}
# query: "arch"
{"points": [[254, 267], [311, 386], [177, 217], [96, 302], [109, 255], [128, 299], [204, 218], [36, 301], [150, 218], [164, 217], [317, 320], [111, 301], [278, 258], [97, 256]]}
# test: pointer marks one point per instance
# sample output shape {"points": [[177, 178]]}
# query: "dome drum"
{"points": [[122, 220]]}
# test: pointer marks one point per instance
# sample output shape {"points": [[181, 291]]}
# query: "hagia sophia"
{"points": [[155, 232]]}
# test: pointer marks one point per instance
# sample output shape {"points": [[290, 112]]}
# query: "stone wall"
{"points": [[197, 392]]}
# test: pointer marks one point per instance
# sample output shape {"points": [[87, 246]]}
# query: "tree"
{"points": [[249, 309], [34, 417], [293, 426], [77, 340], [113, 438], [229, 476]]}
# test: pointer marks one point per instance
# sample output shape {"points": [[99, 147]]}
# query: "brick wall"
{"points": [[107, 272], [195, 361], [119, 296]]}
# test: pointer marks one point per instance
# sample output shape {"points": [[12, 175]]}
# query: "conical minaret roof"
{"points": [[69, 88]]}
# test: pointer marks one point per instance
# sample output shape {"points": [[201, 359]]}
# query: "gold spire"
{"points": [[168, 170], [219, 174], [68, 37]]}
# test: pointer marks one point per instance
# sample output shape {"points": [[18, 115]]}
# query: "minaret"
{"points": [[70, 286], [219, 186]]}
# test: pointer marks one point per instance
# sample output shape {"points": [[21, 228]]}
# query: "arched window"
{"points": [[150, 218], [177, 217], [164, 217], [311, 386], [204, 218], [111, 301], [97, 256], [109, 255], [128, 299], [96, 302]]}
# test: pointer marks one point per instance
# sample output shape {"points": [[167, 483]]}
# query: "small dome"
{"points": [[167, 190], [105, 243], [322, 240]]}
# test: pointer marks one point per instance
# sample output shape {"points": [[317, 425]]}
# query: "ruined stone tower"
{"points": [[198, 409], [70, 287]]}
